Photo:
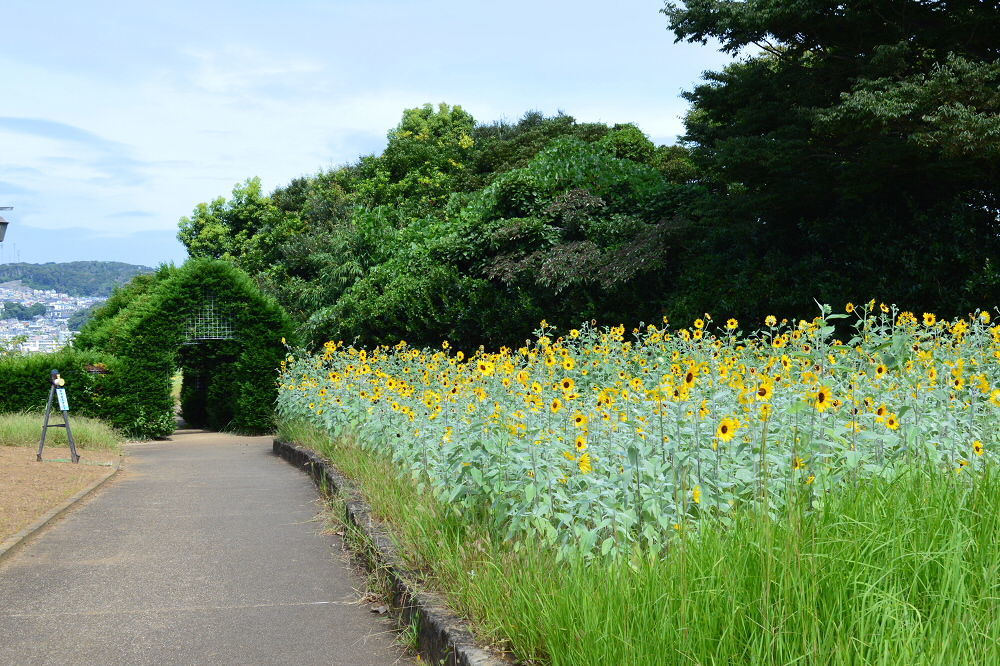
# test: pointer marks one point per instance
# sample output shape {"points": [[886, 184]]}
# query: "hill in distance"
{"points": [[76, 278]]}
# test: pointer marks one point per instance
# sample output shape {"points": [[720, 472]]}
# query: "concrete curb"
{"points": [[12, 544], [442, 635]]}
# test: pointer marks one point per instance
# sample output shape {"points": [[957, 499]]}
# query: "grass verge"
{"points": [[888, 572], [25, 429]]}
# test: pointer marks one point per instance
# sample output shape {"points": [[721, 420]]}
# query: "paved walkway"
{"points": [[203, 550]]}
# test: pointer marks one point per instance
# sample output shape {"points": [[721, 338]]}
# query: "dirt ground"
{"points": [[29, 488]]}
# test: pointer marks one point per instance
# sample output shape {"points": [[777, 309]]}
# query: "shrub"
{"points": [[109, 396]]}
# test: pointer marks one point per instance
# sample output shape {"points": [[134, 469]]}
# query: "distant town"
{"points": [[46, 332]]}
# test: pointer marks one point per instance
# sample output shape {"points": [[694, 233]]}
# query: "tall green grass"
{"points": [[25, 429], [886, 572]]}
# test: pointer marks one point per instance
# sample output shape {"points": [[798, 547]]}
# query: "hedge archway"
{"points": [[210, 320]]}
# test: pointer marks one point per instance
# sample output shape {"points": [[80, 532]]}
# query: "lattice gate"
{"points": [[207, 323]]}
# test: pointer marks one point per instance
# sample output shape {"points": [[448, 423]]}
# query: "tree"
{"points": [[858, 147], [425, 151], [15, 310], [221, 229], [570, 236]]}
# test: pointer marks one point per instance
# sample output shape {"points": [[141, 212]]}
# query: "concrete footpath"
{"points": [[204, 549]]}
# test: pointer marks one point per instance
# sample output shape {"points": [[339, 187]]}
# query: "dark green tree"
{"points": [[855, 151]]}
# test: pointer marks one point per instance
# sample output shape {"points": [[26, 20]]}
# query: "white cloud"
{"points": [[182, 120], [238, 70]]}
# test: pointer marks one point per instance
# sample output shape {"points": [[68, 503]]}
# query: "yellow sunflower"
{"points": [[822, 399], [727, 429]]}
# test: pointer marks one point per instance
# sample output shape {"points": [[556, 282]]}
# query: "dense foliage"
{"points": [[96, 385], [157, 325], [463, 230], [850, 150], [15, 310], [855, 152], [887, 571], [76, 278]]}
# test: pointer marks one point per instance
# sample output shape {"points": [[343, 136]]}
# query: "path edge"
{"points": [[14, 543], [442, 635]]}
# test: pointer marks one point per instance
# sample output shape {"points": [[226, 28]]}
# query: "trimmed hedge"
{"points": [[24, 386], [228, 384], [124, 301], [140, 336]]}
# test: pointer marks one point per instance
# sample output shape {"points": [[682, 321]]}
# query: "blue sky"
{"points": [[117, 118]]}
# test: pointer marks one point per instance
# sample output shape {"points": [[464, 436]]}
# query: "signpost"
{"points": [[59, 393]]}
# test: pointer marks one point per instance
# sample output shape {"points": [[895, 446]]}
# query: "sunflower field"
{"points": [[602, 441]]}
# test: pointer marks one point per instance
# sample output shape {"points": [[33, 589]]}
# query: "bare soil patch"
{"points": [[28, 489]]}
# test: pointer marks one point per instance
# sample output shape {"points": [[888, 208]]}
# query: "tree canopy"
{"points": [[461, 230], [850, 151], [855, 151]]}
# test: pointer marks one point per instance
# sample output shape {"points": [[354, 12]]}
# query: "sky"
{"points": [[116, 119]]}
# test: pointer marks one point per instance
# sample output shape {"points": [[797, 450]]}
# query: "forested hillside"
{"points": [[76, 278], [855, 155]]}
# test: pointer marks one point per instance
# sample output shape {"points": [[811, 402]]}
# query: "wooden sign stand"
{"points": [[57, 391]]}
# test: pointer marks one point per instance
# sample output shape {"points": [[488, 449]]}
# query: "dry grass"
{"points": [[30, 489]]}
